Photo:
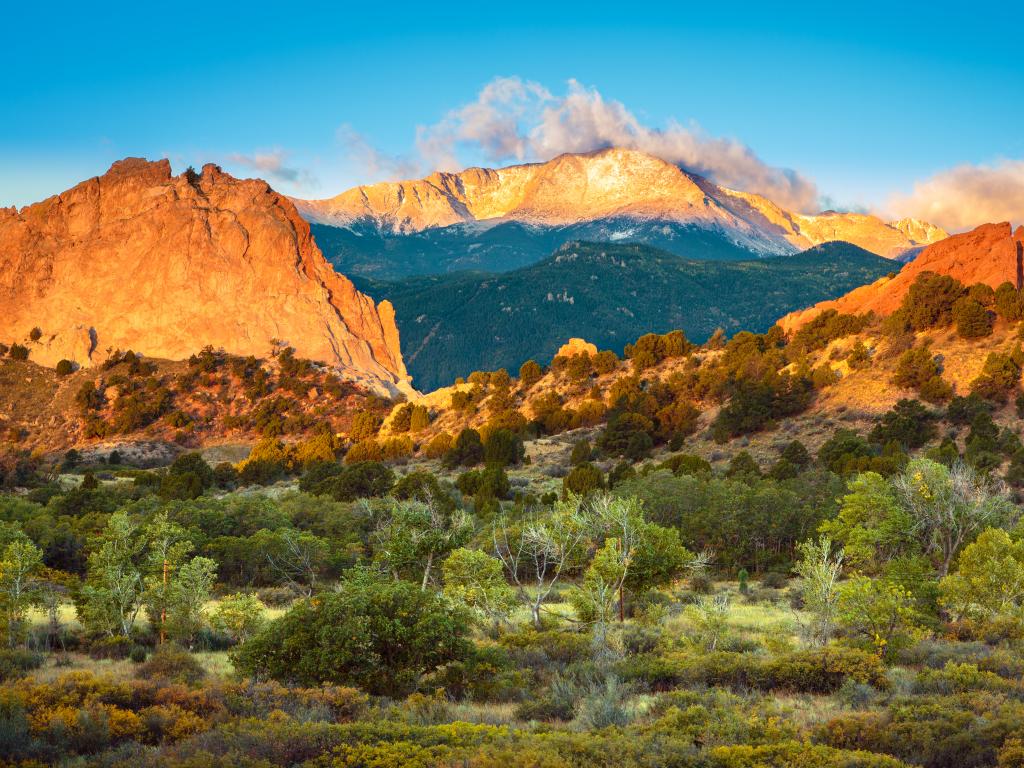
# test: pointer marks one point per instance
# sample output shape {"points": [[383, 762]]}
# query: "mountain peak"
{"points": [[608, 183]]}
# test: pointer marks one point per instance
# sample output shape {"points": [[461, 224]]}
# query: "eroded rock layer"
{"points": [[164, 265]]}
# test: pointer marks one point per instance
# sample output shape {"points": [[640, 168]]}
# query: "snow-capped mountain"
{"points": [[626, 191]]}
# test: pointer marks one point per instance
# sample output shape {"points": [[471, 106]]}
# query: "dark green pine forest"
{"points": [[609, 294]]}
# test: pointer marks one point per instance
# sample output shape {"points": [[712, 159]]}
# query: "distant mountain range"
{"points": [[502, 219], [609, 294]]}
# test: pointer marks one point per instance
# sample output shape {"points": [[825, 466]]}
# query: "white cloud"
{"points": [[515, 120], [965, 196], [273, 164], [494, 124], [371, 163]]}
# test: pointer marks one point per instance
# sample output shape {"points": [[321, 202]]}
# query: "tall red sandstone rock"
{"points": [[164, 265], [992, 254]]}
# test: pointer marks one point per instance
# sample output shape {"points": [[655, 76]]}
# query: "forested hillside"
{"points": [[609, 294]]}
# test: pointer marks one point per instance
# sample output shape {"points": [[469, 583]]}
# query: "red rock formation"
{"points": [[164, 265], [991, 254], [576, 346]]}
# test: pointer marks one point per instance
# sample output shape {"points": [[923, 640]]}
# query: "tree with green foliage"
{"points": [[167, 546], [743, 465], [413, 536], [376, 633], [878, 612], [988, 585], [1008, 302], [189, 592], [365, 424], [658, 559], [872, 526], [360, 480], [619, 522], [686, 464], [538, 548], [930, 299], [425, 487], [187, 477], [820, 568], [529, 373], [936, 390], [627, 433], [582, 452], [239, 616], [949, 506], [982, 449], [915, 368], [839, 449], [477, 580], [112, 596], [859, 356], [796, 453], [21, 562], [999, 376], [401, 419], [419, 419], [503, 448], [484, 484], [962, 411]]}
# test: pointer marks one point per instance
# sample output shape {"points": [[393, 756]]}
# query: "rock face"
{"points": [[992, 254], [163, 265], [576, 346], [606, 184]]}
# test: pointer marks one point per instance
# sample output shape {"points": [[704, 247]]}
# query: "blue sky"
{"points": [[862, 101]]}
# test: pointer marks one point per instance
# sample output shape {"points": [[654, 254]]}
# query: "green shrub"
{"points": [[915, 367], [361, 480], [583, 479], [172, 663], [797, 754], [929, 302], [530, 373], [686, 464], [972, 320], [582, 452], [909, 424], [374, 632], [503, 448], [810, 671], [466, 451], [16, 662]]}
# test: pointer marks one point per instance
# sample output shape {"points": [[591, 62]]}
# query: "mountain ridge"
{"points": [[606, 184]]}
